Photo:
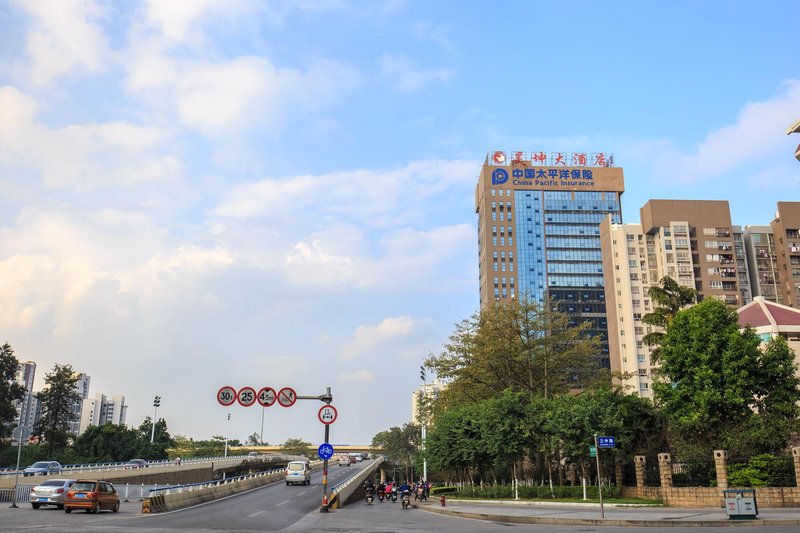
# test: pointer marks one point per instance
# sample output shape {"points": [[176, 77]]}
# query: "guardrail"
{"points": [[341, 493], [127, 492], [94, 467], [189, 487]]}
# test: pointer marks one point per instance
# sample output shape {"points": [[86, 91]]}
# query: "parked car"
{"points": [[135, 463], [43, 468], [298, 472], [91, 495], [51, 492]]}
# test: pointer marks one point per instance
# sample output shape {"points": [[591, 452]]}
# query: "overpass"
{"points": [[339, 448]]}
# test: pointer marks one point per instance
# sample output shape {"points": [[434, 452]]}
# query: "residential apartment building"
{"points": [[82, 386], [24, 407], [428, 390], [538, 231], [102, 409], [786, 232], [763, 259], [691, 241]]}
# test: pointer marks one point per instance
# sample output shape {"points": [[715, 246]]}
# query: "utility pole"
{"points": [[424, 421], [227, 431]]}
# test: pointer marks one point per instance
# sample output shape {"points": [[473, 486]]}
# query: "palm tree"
{"points": [[668, 298]]}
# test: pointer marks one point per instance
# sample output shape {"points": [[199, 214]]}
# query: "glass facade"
{"points": [[558, 252]]}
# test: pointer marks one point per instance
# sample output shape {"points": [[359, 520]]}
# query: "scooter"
{"points": [[369, 497], [394, 494], [381, 495], [406, 501]]}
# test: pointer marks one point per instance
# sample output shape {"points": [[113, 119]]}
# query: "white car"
{"points": [[298, 472], [344, 460], [50, 492]]}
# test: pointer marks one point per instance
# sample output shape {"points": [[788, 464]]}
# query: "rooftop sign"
{"points": [[555, 159]]}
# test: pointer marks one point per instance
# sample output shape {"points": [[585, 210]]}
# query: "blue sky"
{"points": [[205, 193]]}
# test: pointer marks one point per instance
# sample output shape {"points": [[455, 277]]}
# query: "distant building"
{"points": [[428, 390], [102, 409], [82, 386], [25, 376], [774, 255]]}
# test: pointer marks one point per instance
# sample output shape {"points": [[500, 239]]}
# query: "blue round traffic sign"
{"points": [[325, 451]]}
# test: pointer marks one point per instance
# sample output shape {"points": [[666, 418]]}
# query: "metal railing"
{"points": [[94, 467], [127, 492], [190, 487]]}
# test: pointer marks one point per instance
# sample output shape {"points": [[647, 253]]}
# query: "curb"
{"points": [[541, 520]]}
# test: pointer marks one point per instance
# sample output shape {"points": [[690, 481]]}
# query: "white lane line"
{"points": [[256, 514], [287, 501], [301, 493]]}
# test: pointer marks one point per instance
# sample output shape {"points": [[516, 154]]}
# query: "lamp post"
{"points": [[227, 429], [424, 425], [21, 429], [156, 403]]}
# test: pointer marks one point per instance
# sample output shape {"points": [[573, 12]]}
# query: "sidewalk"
{"points": [[580, 514]]}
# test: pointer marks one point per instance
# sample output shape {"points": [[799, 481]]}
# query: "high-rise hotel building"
{"points": [[539, 230]]}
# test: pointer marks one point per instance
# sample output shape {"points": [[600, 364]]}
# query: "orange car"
{"points": [[93, 496]]}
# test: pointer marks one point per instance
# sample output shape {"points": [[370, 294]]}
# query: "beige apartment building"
{"points": [[691, 241], [773, 253]]}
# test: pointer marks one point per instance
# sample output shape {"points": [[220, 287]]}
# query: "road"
{"points": [[276, 507]]}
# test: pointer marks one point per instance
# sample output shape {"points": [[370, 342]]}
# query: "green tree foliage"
{"points": [[253, 440], [110, 443], [162, 440], [57, 400], [10, 390], [400, 445], [297, 447], [523, 346], [716, 386], [668, 298]]}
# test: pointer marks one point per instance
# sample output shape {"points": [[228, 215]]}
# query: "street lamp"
{"points": [[227, 429], [156, 403], [424, 424]]}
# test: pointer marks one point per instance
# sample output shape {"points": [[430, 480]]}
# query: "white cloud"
{"points": [[367, 340], [64, 37], [359, 376], [438, 33], [758, 132], [178, 19], [403, 75]]}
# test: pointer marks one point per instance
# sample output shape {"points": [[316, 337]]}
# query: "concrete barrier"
{"points": [[340, 496]]}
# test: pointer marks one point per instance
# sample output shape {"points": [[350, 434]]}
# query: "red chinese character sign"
{"points": [[266, 396], [499, 158], [327, 414], [246, 396], [226, 396]]}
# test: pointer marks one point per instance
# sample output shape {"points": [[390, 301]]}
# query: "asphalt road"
{"points": [[277, 507]]}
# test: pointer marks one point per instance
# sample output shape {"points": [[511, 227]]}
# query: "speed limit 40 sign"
{"points": [[226, 396]]}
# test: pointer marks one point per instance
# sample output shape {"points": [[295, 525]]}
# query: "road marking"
{"points": [[256, 514], [301, 493], [287, 501]]}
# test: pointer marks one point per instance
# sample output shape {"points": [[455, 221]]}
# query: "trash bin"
{"points": [[740, 503]]}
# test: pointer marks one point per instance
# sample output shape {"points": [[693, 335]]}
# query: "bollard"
{"points": [[443, 500], [141, 492], [126, 492]]}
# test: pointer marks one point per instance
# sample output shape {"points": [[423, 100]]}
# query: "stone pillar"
{"points": [[721, 466], [618, 473], [383, 475], [796, 457], [639, 462], [665, 470]]}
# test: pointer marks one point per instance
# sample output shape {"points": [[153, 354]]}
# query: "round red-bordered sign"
{"points": [[287, 396], [266, 396], [327, 414], [499, 157], [226, 396], [246, 396]]}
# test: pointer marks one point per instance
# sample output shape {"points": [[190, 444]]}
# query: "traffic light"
{"points": [[422, 372]]}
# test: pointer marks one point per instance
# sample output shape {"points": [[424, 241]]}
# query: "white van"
{"points": [[298, 472]]}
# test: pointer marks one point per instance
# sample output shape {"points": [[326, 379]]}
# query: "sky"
{"points": [[207, 193]]}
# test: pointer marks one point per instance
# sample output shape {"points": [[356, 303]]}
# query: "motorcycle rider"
{"points": [[381, 490]]}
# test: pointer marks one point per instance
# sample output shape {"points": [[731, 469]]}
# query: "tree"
{"points": [[524, 346], [254, 439], [10, 390], [668, 298], [400, 445], [110, 443], [297, 447], [57, 400], [715, 383], [161, 439]]}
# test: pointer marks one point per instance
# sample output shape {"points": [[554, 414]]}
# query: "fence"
{"points": [[694, 474]]}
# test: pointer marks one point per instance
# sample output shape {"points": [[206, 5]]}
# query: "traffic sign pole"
{"points": [[599, 482], [327, 399]]}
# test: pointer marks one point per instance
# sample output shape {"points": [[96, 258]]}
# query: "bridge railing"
{"points": [[341, 493]]}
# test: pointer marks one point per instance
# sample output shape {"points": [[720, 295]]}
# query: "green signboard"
{"points": [[592, 451]]}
